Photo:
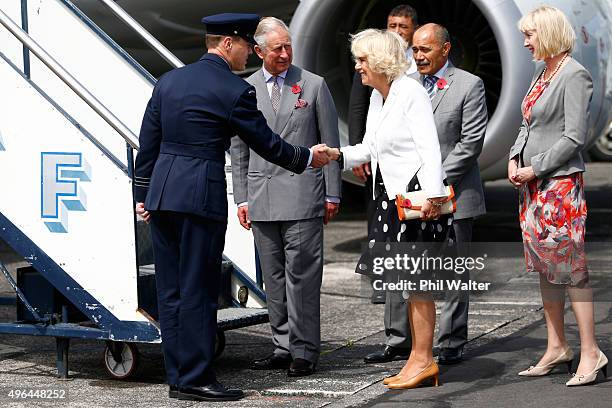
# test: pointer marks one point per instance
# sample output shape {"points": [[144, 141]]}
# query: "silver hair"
{"points": [[266, 26]]}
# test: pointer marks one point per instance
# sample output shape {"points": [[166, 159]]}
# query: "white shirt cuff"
{"points": [[309, 157]]}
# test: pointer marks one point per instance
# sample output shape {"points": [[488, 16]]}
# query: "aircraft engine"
{"points": [[485, 42]]}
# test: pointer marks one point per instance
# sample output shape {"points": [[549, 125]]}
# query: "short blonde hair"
{"points": [[385, 51], [554, 31]]}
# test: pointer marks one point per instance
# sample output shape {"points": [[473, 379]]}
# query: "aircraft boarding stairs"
{"points": [[71, 104]]}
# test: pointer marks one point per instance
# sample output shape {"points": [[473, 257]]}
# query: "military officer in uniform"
{"points": [[180, 189]]}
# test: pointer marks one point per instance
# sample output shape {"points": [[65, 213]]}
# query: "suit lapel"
{"points": [[448, 76], [264, 101], [288, 98]]}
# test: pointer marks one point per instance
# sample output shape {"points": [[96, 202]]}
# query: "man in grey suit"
{"points": [[460, 113], [286, 210]]}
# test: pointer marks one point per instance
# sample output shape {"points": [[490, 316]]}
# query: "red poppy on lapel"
{"points": [[442, 84], [296, 89]]}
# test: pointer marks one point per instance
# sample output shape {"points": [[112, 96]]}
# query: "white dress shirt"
{"points": [[270, 80]]}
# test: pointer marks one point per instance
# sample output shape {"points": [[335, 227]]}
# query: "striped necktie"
{"points": [[275, 97], [430, 85]]}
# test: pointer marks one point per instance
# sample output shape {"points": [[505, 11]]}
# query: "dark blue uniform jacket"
{"points": [[192, 115]]}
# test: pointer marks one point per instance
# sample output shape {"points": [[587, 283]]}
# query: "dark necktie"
{"points": [[430, 85]]}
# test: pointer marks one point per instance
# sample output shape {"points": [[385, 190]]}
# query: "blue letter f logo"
{"points": [[60, 173]]}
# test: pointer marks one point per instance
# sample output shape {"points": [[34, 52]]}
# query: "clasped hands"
{"points": [[519, 176], [323, 154]]}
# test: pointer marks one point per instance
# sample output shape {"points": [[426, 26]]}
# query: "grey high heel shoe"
{"points": [[584, 379], [537, 371]]}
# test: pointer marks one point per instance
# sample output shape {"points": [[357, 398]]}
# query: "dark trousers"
{"points": [[453, 325], [188, 252]]}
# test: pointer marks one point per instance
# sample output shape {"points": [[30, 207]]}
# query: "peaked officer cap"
{"points": [[240, 24]]}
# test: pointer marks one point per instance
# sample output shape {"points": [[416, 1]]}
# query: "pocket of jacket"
{"points": [[215, 193]]}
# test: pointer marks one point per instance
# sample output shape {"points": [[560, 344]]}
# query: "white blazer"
{"points": [[401, 138]]}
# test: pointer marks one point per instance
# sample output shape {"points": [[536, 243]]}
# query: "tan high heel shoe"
{"points": [[567, 357], [430, 372], [584, 379], [389, 380]]}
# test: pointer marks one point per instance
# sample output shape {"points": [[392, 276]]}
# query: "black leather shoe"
{"points": [[272, 362], [450, 356], [211, 392], [389, 353], [173, 391], [378, 297], [300, 368]]}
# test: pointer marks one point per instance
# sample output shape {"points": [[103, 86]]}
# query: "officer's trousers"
{"points": [[188, 252]]}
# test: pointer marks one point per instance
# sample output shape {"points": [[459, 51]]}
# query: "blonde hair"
{"points": [[385, 51], [554, 31]]}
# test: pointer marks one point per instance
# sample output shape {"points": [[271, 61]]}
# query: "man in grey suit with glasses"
{"points": [[460, 112], [285, 210]]}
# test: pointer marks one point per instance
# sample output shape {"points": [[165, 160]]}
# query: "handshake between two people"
{"points": [[323, 154]]}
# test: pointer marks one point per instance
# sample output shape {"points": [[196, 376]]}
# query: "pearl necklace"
{"points": [[547, 81]]}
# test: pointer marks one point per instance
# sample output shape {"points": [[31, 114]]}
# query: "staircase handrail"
{"points": [[69, 80]]}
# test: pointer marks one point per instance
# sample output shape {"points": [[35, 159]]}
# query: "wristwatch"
{"points": [[340, 159], [435, 203]]}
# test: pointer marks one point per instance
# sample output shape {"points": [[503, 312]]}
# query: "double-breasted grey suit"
{"points": [[460, 114], [287, 209]]}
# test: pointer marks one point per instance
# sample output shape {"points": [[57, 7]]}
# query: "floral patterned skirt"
{"points": [[553, 216]]}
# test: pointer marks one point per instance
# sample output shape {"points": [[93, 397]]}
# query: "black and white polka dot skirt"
{"points": [[386, 227]]}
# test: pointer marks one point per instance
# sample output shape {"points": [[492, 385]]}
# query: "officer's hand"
{"points": [[331, 209], [362, 171], [144, 214], [319, 155], [243, 217]]}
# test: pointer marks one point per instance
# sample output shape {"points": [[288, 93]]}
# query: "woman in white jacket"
{"points": [[402, 144]]}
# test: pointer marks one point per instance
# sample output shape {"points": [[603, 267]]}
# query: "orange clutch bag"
{"points": [[409, 205]]}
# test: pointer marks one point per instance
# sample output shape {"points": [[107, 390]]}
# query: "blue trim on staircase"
{"points": [[248, 282], [118, 330]]}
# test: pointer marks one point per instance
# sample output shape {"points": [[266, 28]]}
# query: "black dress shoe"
{"points": [[450, 356], [211, 392], [272, 362], [300, 368], [173, 391], [378, 297], [389, 353]]}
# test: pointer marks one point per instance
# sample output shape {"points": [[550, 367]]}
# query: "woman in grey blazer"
{"points": [[546, 166]]}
